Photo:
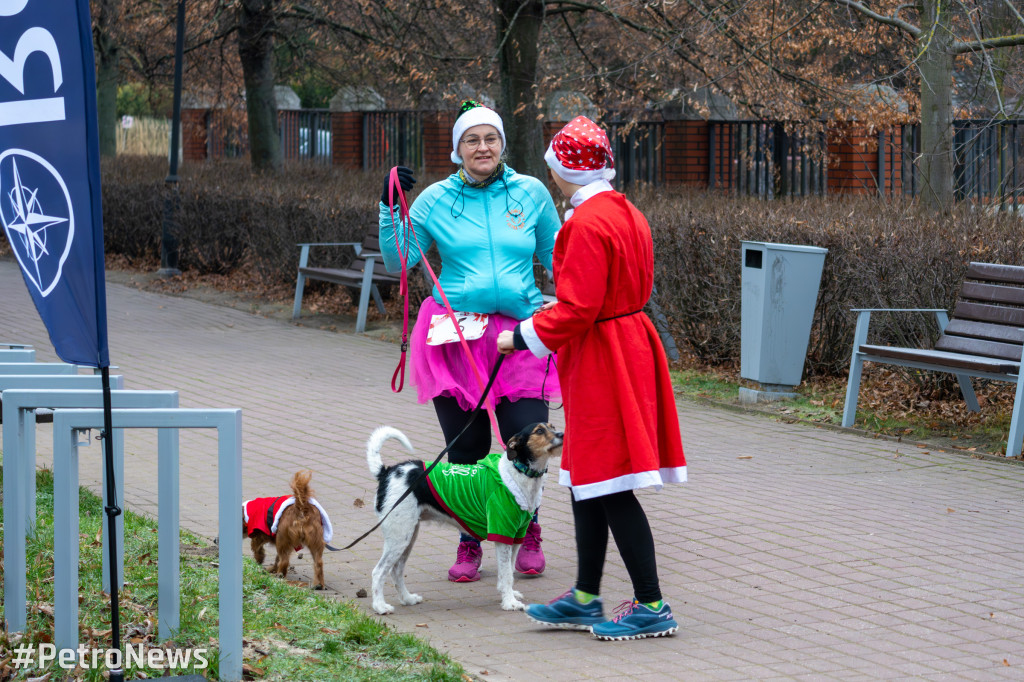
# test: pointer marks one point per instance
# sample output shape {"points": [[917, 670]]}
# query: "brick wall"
{"points": [[686, 153], [854, 163], [347, 139], [437, 142], [193, 134]]}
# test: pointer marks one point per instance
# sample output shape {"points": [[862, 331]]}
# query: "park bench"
{"points": [[364, 274], [984, 339]]}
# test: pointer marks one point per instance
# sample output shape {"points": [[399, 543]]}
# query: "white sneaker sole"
{"points": [[642, 635], [561, 626]]}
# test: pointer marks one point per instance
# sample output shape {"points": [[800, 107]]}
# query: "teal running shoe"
{"points": [[636, 621], [567, 613]]}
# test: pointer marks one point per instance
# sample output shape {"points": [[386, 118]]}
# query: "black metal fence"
{"points": [[226, 136], [762, 158], [306, 135], [988, 161], [393, 138], [639, 151]]}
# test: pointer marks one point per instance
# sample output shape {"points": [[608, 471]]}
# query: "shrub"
{"points": [[882, 253]]}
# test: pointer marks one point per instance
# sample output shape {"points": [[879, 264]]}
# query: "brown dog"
{"points": [[291, 523]]}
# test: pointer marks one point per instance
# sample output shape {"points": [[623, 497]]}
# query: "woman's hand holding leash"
{"points": [[506, 346]]}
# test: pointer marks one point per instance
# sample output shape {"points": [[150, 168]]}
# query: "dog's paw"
{"points": [[513, 605], [411, 599], [383, 608]]}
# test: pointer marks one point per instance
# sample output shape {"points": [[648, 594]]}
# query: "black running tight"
{"points": [[623, 514], [475, 443]]}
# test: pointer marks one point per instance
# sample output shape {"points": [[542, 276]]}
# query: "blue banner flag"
{"points": [[49, 170]]}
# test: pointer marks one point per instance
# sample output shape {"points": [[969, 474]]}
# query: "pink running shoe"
{"points": [[467, 563], [530, 560]]}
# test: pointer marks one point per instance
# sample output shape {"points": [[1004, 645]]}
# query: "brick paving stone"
{"points": [[824, 556]]}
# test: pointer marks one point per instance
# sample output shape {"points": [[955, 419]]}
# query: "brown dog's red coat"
{"points": [[300, 526]]}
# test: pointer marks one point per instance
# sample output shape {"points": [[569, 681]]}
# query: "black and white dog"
{"points": [[492, 500]]}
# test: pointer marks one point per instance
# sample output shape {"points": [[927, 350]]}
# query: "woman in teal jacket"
{"points": [[488, 223]]}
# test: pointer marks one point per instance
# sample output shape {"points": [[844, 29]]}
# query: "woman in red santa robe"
{"points": [[622, 429]]}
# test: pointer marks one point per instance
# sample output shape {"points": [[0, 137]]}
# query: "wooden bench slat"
{"points": [[992, 293], [943, 359], [988, 349], [342, 275], [982, 312], [984, 330], [994, 272]]}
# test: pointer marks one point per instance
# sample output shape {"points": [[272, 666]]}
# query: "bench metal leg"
{"points": [[300, 284], [377, 299], [860, 337], [852, 390], [967, 389], [1013, 443], [364, 296]]}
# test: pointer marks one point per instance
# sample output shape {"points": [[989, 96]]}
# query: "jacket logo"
{"points": [[514, 218]]}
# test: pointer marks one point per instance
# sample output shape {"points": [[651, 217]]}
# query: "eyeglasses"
{"points": [[491, 141]]}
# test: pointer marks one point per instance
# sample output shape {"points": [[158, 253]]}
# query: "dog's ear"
{"points": [[512, 446]]}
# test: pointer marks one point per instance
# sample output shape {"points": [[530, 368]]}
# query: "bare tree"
{"points": [[943, 30], [257, 23]]}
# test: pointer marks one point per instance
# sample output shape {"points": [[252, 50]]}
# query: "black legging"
{"points": [[623, 514], [475, 443]]}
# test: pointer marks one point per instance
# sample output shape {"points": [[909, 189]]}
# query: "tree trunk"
{"points": [[519, 24], [936, 68], [107, 76], [255, 50]]}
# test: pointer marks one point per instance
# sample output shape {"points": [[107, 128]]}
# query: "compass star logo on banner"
{"points": [[35, 208]]}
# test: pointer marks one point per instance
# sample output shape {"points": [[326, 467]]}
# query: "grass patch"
{"points": [[290, 632]]}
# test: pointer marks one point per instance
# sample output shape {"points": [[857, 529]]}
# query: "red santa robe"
{"points": [[622, 429]]}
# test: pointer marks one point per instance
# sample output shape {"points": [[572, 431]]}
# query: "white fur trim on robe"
{"points": [[324, 520], [643, 479]]}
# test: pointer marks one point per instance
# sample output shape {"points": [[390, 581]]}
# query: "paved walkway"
{"points": [[792, 553]]}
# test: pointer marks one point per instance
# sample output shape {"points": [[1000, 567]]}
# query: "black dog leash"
{"points": [[427, 470]]}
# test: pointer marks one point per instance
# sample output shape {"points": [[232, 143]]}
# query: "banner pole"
{"points": [[112, 512]]}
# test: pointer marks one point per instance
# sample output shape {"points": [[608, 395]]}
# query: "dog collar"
{"points": [[527, 471]]}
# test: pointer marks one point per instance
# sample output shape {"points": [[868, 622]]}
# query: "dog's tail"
{"points": [[377, 439], [301, 489]]}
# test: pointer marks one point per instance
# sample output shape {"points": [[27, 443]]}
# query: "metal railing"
{"points": [[639, 152], [988, 161], [226, 137], [762, 158], [306, 135], [393, 138]]}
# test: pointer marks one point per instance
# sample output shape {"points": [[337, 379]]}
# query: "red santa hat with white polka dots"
{"points": [[580, 153]]}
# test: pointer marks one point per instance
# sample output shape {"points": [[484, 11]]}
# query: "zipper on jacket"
{"points": [[490, 243]]}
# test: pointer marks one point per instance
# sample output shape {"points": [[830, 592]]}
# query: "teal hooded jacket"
{"points": [[487, 237]]}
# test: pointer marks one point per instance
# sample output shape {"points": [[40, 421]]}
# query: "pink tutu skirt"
{"points": [[445, 371]]}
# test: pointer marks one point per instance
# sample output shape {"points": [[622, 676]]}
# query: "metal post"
{"points": [[168, 238]]}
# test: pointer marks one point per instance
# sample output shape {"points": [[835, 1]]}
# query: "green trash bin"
{"points": [[779, 292]]}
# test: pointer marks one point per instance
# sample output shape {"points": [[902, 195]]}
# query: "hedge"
{"points": [[882, 253]]}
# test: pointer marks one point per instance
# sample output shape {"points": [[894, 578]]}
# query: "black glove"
{"points": [[405, 178]]}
